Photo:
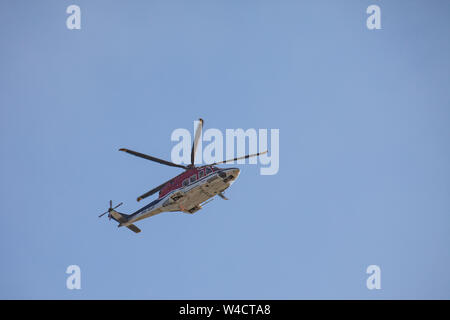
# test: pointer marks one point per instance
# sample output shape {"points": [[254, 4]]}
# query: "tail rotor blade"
{"points": [[103, 214], [118, 205], [110, 209]]}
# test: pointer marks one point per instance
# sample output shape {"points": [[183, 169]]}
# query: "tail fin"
{"points": [[122, 218]]}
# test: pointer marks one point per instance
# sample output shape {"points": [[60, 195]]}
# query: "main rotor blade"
{"points": [[149, 193], [145, 156], [243, 157], [198, 133]]}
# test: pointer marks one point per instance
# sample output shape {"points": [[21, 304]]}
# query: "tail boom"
{"points": [[122, 219]]}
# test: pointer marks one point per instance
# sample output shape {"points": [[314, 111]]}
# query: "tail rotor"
{"points": [[110, 209]]}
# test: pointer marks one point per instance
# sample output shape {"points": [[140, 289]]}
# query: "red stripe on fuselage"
{"points": [[177, 182]]}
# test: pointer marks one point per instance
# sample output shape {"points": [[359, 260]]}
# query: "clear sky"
{"points": [[364, 148]]}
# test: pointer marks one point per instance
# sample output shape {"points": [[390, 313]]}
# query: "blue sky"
{"points": [[364, 148]]}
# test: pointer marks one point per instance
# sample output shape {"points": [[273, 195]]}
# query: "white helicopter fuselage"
{"points": [[188, 199]]}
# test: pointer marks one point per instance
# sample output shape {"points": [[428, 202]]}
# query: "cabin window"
{"points": [[193, 178], [208, 170], [201, 173], [185, 182]]}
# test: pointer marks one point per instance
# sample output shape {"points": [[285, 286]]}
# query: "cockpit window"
{"points": [[193, 178], [208, 170], [201, 173], [185, 182]]}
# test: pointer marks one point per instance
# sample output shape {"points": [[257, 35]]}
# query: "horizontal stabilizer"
{"points": [[133, 228]]}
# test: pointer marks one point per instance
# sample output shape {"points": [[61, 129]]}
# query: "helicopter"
{"points": [[188, 192]]}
